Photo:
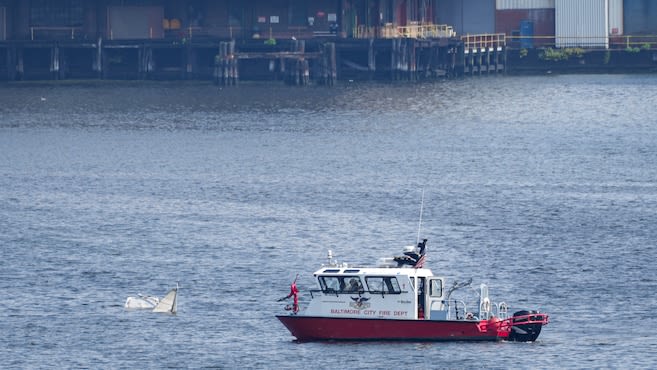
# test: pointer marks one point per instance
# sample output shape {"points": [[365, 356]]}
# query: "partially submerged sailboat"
{"points": [[168, 304], [400, 299]]}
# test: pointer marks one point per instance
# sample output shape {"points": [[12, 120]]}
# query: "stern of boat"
{"points": [[523, 326]]}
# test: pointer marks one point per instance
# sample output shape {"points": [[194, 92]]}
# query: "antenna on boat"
{"points": [[330, 257], [419, 226]]}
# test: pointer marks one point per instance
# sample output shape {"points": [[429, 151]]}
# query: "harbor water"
{"points": [[544, 188]]}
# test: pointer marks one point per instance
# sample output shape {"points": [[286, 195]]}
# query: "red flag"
{"points": [[420, 262]]}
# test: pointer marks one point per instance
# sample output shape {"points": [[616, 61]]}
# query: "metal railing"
{"points": [[422, 31], [485, 41], [415, 31], [631, 42], [64, 31]]}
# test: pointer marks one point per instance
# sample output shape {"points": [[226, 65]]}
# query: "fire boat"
{"points": [[400, 299]]}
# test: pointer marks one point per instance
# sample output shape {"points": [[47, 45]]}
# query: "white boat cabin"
{"points": [[388, 293]]}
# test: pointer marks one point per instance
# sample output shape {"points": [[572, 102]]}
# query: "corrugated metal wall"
{"points": [[615, 17], [509, 22], [581, 23], [640, 17], [467, 16], [524, 4]]}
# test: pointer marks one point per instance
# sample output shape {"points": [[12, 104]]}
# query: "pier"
{"points": [[320, 60], [313, 61]]}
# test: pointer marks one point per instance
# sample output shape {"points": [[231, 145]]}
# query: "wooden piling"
{"points": [[20, 64], [145, 61], [215, 70], [328, 64], [226, 67], [225, 78], [188, 62], [371, 59], [302, 64], [291, 66], [306, 72], [324, 72], [458, 60], [333, 70], [328, 72], [54, 62], [401, 61], [413, 59], [11, 63], [426, 66], [99, 58], [504, 60], [471, 63], [393, 59], [298, 68], [233, 66]]}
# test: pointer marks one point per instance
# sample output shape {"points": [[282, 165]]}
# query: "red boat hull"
{"points": [[309, 328]]}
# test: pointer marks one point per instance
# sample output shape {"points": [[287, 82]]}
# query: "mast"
{"points": [[419, 226]]}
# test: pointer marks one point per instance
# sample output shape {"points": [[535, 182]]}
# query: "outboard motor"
{"points": [[526, 325]]}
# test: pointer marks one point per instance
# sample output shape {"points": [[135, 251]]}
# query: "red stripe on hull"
{"points": [[307, 328]]}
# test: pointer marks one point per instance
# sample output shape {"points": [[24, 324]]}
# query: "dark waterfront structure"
{"points": [[318, 41], [297, 41]]}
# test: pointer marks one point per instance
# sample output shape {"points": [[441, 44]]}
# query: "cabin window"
{"points": [[383, 285], [436, 288], [341, 284]]}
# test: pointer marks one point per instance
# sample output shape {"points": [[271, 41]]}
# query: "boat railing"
{"points": [[500, 310], [459, 314], [530, 318]]}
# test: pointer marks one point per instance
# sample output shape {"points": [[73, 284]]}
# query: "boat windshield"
{"points": [[383, 284], [341, 284]]}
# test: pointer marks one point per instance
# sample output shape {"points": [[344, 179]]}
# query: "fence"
{"points": [[414, 31], [484, 41], [629, 42]]}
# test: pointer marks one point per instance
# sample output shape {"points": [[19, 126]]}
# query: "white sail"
{"points": [[169, 303]]}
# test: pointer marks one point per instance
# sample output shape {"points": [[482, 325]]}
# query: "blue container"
{"points": [[526, 34]]}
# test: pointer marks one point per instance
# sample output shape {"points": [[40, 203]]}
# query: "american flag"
{"points": [[420, 262]]}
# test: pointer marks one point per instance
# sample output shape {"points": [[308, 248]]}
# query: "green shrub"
{"points": [[551, 54], [574, 52], [561, 54]]}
